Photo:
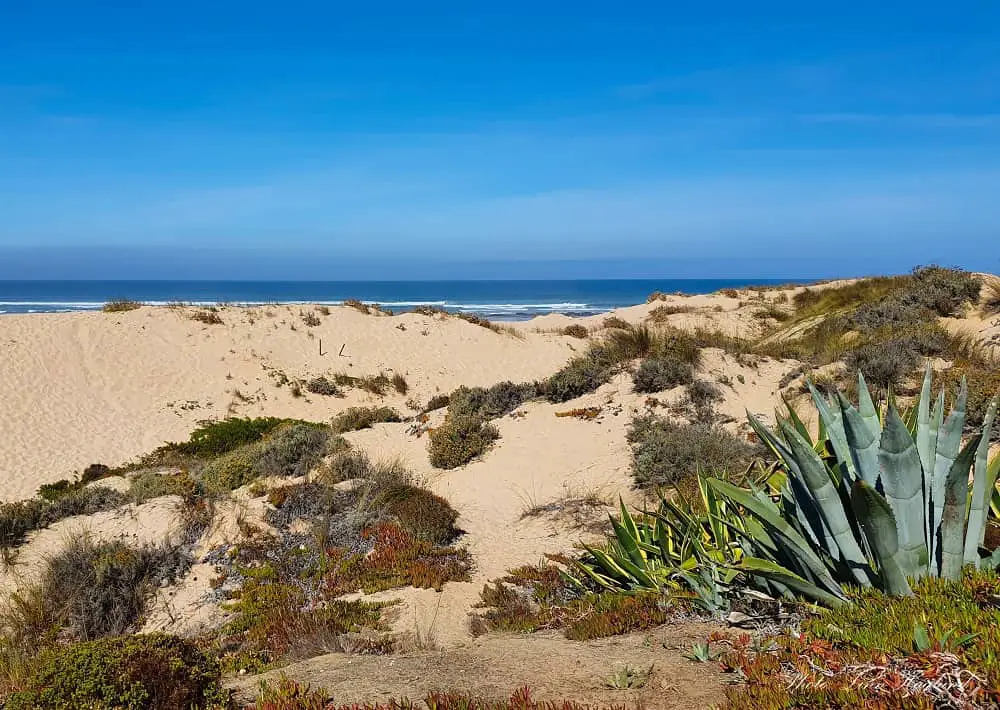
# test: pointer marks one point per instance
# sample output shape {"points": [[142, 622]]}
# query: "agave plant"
{"points": [[876, 500]]}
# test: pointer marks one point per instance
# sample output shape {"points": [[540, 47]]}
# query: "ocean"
{"points": [[497, 300]]}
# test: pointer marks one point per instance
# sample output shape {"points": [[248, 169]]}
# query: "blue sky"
{"points": [[339, 140]]}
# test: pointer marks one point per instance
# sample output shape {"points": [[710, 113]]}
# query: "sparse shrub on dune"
{"points": [[356, 418], [143, 672], [460, 439], [358, 305], [885, 364], [121, 305], [729, 292], [991, 299], [311, 319], [208, 316], [669, 453], [19, 518], [662, 373], [323, 386], [576, 330], [662, 313], [615, 322]]}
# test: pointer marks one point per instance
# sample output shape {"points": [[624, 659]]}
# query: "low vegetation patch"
{"points": [[661, 314], [380, 533], [19, 518], [662, 373], [290, 450], [121, 305], [489, 402], [933, 649], [357, 418], [147, 672], [536, 598], [616, 322], [208, 316]]}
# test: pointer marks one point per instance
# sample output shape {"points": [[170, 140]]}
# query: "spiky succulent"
{"points": [[875, 500]]}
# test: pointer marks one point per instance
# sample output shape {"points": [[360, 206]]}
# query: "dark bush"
{"points": [[356, 418], [667, 453], [945, 290], [93, 472], [662, 373], [311, 319], [615, 322], [459, 440], [144, 672], [424, 515], [703, 393], [400, 384], [207, 316], [576, 330], [321, 385], [438, 401]]}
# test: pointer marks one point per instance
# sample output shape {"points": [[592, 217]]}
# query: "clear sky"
{"points": [[339, 140]]}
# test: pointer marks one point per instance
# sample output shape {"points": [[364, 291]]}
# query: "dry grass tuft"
{"points": [[121, 305]]}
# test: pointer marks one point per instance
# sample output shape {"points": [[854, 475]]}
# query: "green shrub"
{"points": [[459, 440], [576, 330], [662, 373], [357, 418], [147, 672], [292, 450], [217, 438], [489, 403], [884, 364], [668, 453], [615, 322], [346, 466], [93, 472], [580, 376], [323, 386]]}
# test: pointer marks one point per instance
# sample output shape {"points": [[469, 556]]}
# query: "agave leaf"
{"points": [[949, 441], [602, 580], [628, 544], [777, 446], [835, 430], [880, 528], [903, 481], [863, 443], [982, 486], [810, 518], [926, 445], [768, 514], [951, 536], [787, 578], [866, 407], [609, 566], [797, 422], [824, 493]]}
